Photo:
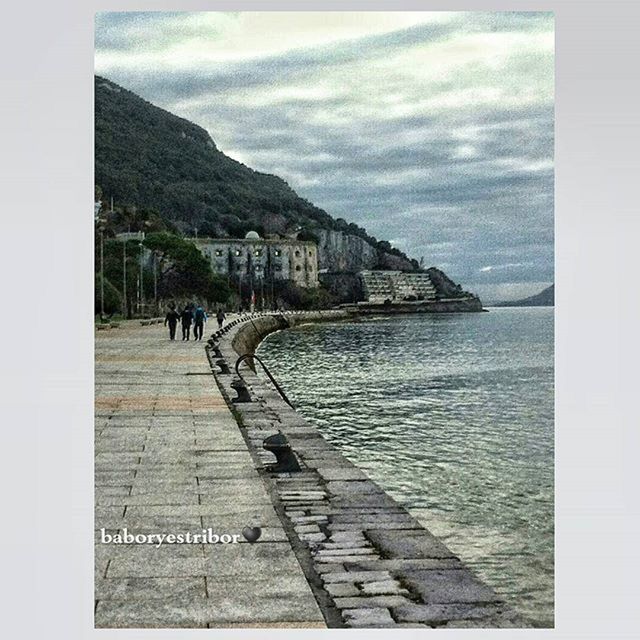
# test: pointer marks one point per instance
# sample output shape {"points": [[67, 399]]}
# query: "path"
{"points": [[170, 458]]}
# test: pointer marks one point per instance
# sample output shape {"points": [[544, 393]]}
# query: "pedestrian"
{"points": [[186, 318], [199, 318], [172, 318], [220, 317]]}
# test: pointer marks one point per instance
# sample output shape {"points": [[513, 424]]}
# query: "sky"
{"points": [[432, 130]]}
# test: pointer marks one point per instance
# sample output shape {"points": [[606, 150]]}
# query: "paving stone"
{"points": [[340, 536], [340, 558], [349, 551], [370, 602], [152, 568], [349, 545], [323, 569], [366, 525], [130, 589], [307, 528], [382, 587], [149, 499], [174, 613], [314, 537], [342, 589], [262, 561], [421, 545], [355, 576], [307, 519], [438, 613], [448, 586], [372, 617], [399, 565]]}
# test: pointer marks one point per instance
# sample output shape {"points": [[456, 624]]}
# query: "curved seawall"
{"points": [[368, 561]]}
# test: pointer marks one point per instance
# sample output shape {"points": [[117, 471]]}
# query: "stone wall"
{"points": [[250, 333], [368, 561]]}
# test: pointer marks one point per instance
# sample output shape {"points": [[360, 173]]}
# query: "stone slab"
{"points": [[444, 586]]}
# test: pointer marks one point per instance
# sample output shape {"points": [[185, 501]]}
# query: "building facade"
{"points": [[396, 286], [262, 260]]}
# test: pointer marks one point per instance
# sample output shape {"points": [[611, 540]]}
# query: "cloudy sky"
{"points": [[432, 130]]}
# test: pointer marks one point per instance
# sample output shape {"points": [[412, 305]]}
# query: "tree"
{"points": [[187, 272]]}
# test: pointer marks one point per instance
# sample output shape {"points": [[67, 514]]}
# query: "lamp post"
{"points": [[124, 278], [141, 297], [155, 281], [101, 228]]}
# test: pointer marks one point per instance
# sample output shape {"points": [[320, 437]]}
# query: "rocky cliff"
{"points": [[338, 251], [151, 160]]}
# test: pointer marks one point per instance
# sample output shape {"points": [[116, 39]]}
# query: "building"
{"points": [[396, 286], [257, 259]]}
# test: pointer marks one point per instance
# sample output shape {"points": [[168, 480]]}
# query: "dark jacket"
{"points": [[172, 317]]}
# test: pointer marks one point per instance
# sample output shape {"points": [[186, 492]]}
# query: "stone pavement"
{"points": [[170, 459]]}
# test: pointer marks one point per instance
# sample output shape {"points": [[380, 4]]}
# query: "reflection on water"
{"points": [[453, 416]]}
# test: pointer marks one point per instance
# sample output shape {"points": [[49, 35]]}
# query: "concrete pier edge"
{"points": [[368, 561]]}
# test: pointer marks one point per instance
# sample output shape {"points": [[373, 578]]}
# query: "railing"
{"points": [[279, 389]]}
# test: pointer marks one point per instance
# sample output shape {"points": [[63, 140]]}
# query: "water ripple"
{"points": [[453, 416]]}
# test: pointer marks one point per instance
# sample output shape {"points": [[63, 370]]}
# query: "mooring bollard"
{"points": [[242, 391], [286, 460], [224, 367]]}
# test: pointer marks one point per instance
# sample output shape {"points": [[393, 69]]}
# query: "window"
{"points": [[297, 253], [257, 252], [310, 253], [238, 267], [298, 267], [277, 253], [218, 252]]}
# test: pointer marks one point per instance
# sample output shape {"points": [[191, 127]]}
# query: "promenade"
{"points": [[170, 459]]}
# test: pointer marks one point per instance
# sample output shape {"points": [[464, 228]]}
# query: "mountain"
{"points": [[545, 298], [150, 159]]}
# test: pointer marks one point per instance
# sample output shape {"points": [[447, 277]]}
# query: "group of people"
{"points": [[190, 315]]}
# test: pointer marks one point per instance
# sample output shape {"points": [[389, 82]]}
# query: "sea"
{"points": [[451, 414]]}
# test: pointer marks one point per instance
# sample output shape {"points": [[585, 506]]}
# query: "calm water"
{"points": [[453, 416]]}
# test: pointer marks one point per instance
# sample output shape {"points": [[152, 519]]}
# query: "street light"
{"points": [[124, 278], [155, 281], [141, 291], [101, 229]]}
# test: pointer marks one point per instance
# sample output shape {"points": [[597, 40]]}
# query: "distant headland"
{"points": [[545, 298]]}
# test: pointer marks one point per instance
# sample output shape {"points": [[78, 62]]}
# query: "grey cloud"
{"points": [[468, 212]]}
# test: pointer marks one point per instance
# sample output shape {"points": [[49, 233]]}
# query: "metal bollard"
{"points": [[242, 391], [286, 460], [224, 367]]}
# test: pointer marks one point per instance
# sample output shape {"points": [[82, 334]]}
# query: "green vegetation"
{"points": [[112, 297], [171, 269], [171, 169], [186, 273]]}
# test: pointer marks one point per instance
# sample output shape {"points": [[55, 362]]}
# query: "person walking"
{"points": [[199, 318], [186, 318], [220, 317], [172, 318]]}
